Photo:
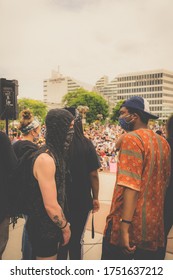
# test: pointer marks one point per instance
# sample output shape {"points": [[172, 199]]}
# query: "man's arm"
{"points": [[130, 197], [95, 189], [130, 167], [44, 172]]}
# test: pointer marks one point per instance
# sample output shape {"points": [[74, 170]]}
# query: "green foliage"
{"points": [[38, 108], [2, 125], [115, 111], [72, 95], [96, 103]]}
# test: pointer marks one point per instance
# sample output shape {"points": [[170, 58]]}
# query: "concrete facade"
{"points": [[57, 86], [155, 85]]}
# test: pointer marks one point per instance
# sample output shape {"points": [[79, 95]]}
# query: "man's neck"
{"points": [[140, 125]]}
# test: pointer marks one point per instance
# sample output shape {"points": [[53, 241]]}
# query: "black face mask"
{"points": [[57, 126], [68, 139], [126, 125]]}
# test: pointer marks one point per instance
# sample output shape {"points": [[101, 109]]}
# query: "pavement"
{"points": [[91, 247]]}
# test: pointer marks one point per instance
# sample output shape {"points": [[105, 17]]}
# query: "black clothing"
{"points": [[169, 196], [168, 205], [24, 151], [8, 162], [113, 252], [77, 221], [82, 160], [23, 146], [43, 234]]}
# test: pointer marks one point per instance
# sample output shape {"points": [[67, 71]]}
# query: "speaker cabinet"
{"points": [[8, 99]]}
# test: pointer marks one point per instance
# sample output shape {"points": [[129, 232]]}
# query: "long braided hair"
{"points": [[57, 126]]}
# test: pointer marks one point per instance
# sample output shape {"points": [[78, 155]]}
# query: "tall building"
{"points": [[107, 90], [156, 86], [101, 83], [57, 86]]}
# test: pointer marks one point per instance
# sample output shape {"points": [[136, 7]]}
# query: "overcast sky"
{"points": [[85, 38]]}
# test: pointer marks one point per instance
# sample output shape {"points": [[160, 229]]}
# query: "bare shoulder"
{"points": [[43, 164], [44, 158]]}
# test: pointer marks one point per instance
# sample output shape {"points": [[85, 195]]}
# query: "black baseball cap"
{"points": [[141, 104]]}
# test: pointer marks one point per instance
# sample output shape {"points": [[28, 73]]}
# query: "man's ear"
{"points": [[135, 116]]}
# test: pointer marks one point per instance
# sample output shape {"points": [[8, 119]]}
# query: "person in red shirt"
{"points": [[135, 226]]}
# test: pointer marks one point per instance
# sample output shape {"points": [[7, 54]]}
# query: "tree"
{"points": [[115, 111], [96, 103], [38, 108], [71, 95]]}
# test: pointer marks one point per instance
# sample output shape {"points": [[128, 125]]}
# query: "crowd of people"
{"points": [[104, 138], [63, 181]]}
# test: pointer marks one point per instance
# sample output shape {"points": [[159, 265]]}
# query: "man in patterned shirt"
{"points": [[135, 227]]}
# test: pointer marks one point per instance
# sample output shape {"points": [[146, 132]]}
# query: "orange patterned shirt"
{"points": [[144, 166]]}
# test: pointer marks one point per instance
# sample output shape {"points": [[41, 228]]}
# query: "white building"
{"points": [[57, 86], [101, 83], [156, 86], [107, 90]]}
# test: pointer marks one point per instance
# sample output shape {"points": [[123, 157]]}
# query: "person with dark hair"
{"points": [[47, 225], [168, 208], [30, 129], [135, 226], [8, 163], [82, 189]]}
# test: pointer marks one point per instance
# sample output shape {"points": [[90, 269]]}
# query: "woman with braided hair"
{"points": [[47, 225]]}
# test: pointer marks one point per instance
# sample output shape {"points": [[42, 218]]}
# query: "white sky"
{"points": [[86, 38]]}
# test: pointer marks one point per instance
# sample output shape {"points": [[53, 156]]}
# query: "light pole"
{"points": [[83, 110]]}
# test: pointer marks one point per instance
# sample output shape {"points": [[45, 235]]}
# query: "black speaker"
{"points": [[8, 99]]}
